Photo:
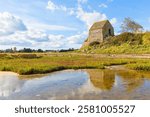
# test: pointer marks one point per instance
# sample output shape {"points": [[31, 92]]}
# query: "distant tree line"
{"points": [[66, 50], [29, 50]]}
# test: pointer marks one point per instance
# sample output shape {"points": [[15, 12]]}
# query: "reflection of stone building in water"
{"points": [[103, 80], [131, 79]]}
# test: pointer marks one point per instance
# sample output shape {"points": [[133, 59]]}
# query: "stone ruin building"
{"points": [[99, 32]]}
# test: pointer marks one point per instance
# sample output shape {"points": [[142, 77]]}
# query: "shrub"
{"points": [[28, 56], [95, 43], [3, 55], [146, 38], [130, 38]]}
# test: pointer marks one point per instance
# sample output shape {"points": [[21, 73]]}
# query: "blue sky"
{"points": [[62, 24]]}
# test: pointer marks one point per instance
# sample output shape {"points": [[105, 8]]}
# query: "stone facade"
{"points": [[99, 31]]}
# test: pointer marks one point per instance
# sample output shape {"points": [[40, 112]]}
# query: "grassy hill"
{"points": [[129, 43]]}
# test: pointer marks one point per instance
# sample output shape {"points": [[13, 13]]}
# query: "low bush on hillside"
{"points": [[129, 38], [28, 56], [146, 38], [94, 43], [129, 43]]}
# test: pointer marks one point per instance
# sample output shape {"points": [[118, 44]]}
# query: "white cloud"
{"points": [[9, 24], [103, 5], [43, 27], [87, 17], [71, 11], [55, 42], [77, 39], [90, 17], [55, 37], [35, 38], [16, 34], [34, 35], [113, 21], [24, 38], [51, 6], [62, 42]]}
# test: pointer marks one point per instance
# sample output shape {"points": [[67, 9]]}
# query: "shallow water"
{"points": [[77, 84]]}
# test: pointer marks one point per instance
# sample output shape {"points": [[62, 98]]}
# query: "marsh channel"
{"points": [[90, 84]]}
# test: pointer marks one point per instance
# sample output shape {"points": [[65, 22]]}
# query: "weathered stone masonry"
{"points": [[99, 32]]}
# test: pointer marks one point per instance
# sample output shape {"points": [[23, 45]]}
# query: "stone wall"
{"points": [[96, 35], [108, 30]]}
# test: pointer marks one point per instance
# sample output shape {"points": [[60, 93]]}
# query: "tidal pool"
{"points": [[76, 84]]}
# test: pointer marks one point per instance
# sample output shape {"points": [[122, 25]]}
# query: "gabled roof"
{"points": [[99, 25]]}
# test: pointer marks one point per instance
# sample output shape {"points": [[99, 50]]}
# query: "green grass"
{"points": [[126, 43], [140, 66], [47, 63], [54, 62]]}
